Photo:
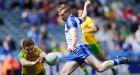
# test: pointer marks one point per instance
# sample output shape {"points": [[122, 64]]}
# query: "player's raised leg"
{"points": [[69, 67], [100, 67], [101, 57]]}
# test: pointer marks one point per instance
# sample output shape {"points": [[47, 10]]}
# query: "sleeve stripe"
{"points": [[72, 22], [78, 20]]}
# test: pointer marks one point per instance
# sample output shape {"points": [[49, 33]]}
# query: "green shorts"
{"points": [[95, 48], [43, 72]]}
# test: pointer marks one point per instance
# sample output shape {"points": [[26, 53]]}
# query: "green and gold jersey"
{"points": [[88, 38], [34, 69]]}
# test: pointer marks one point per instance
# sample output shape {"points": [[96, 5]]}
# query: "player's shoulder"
{"points": [[76, 19], [89, 18], [21, 52], [70, 18], [70, 21], [37, 49]]}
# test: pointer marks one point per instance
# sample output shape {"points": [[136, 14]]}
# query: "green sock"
{"points": [[114, 71], [85, 70]]}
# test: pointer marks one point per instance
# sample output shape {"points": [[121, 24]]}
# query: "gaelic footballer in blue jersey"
{"points": [[78, 50]]}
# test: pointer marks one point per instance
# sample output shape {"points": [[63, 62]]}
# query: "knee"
{"points": [[63, 72], [60, 73], [100, 70]]}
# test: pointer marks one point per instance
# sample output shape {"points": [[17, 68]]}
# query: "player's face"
{"points": [[29, 47], [64, 14], [80, 12]]}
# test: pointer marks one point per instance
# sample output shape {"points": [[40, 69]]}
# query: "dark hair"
{"points": [[27, 42]]}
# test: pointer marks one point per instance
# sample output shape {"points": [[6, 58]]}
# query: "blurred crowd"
{"points": [[118, 28]]}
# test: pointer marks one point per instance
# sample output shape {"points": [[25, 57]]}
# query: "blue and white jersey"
{"points": [[75, 22]]}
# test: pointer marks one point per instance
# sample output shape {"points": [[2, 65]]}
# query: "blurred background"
{"points": [[118, 34]]}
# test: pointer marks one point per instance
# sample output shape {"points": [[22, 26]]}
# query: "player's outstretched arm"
{"points": [[24, 62], [87, 3]]}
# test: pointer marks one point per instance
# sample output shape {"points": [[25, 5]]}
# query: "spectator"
{"points": [[120, 40], [27, 4], [1, 4], [24, 17], [37, 4], [10, 66], [43, 35], [112, 36], [138, 18], [127, 46], [1, 21], [32, 33], [52, 14], [97, 10], [117, 7], [128, 13], [15, 4], [138, 34], [109, 13], [53, 17], [78, 3], [0, 42], [62, 47], [135, 44], [102, 37], [137, 1], [103, 2], [34, 18], [124, 31], [54, 46], [8, 45], [43, 16], [46, 5], [44, 47], [21, 3]]}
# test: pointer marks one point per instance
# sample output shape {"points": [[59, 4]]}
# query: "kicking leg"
{"points": [[69, 67], [101, 57], [100, 67], [95, 49], [94, 63]]}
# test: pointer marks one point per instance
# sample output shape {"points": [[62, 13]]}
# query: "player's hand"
{"points": [[42, 59], [87, 3], [39, 60], [73, 49]]}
